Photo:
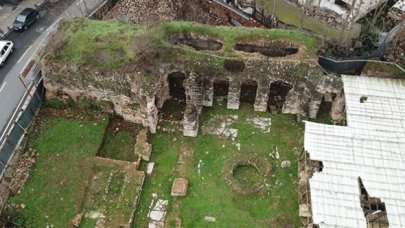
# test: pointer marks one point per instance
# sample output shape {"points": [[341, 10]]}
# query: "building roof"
{"points": [[371, 146], [400, 5]]}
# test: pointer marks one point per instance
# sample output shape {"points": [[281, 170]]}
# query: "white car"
{"points": [[6, 47]]}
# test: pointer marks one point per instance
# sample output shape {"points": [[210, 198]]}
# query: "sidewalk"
{"points": [[9, 12]]}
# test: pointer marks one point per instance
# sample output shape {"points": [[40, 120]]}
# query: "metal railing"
{"points": [[20, 120]]}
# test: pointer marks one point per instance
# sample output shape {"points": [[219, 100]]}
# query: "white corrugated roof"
{"points": [[400, 5], [371, 146]]}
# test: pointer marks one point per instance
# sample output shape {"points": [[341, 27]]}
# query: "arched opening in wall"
{"points": [[325, 108], [248, 92], [173, 107], [221, 88], [176, 88], [278, 93]]}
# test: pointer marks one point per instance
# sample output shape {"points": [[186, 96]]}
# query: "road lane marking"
{"points": [[2, 86], [24, 54]]}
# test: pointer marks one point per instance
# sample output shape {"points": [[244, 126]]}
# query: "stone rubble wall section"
{"points": [[190, 122]]}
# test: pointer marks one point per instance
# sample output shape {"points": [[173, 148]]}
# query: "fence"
{"points": [[349, 66], [21, 120]]}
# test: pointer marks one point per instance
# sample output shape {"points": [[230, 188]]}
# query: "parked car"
{"points": [[6, 47], [25, 19]]}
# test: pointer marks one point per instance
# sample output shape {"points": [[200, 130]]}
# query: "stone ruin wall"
{"points": [[137, 98], [303, 99], [64, 80], [123, 89]]}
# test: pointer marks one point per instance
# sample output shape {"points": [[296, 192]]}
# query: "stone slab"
{"points": [[179, 187]]}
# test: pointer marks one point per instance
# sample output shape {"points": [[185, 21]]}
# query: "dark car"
{"points": [[25, 19]]}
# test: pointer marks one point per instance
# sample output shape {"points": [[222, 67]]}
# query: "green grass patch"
{"points": [[52, 194], [247, 175], [88, 223], [112, 43], [209, 194], [112, 192], [164, 154], [119, 44], [119, 145]]}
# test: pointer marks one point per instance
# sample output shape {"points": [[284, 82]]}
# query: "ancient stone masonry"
{"points": [[233, 94], [262, 98], [194, 91], [208, 94], [190, 122], [273, 75]]}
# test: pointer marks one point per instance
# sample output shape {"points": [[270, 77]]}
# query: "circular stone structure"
{"points": [[262, 165]]}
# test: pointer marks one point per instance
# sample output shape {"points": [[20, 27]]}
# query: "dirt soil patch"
{"points": [[196, 43], [276, 49]]}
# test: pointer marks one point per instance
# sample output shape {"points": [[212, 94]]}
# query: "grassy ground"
{"points": [[111, 43], [165, 157], [209, 194], [116, 44], [88, 223], [52, 195], [112, 192], [291, 15], [118, 146]]}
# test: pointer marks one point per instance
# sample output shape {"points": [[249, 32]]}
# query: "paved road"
{"points": [[49, 12], [26, 44]]}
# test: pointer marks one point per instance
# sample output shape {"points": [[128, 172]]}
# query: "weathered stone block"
{"points": [[179, 187], [208, 99], [262, 98], [142, 147], [233, 95]]}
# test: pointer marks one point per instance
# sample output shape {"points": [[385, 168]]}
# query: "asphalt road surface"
{"points": [[25, 45], [49, 12]]}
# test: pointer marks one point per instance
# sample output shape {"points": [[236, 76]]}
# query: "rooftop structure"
{"points": [[397, 10], [362, 181]]}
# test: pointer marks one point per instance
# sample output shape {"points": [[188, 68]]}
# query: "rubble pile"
{"points": [[153, 11], [20, 172]]}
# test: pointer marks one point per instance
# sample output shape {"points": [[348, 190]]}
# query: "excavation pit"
{"points": [[197, 43], [273, 50], [246, 173]]}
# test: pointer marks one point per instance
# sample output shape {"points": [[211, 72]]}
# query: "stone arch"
{"points": [[221, 88], [277, 96], [248, 91], [172, 96], [177, 91], [325, 107]]}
